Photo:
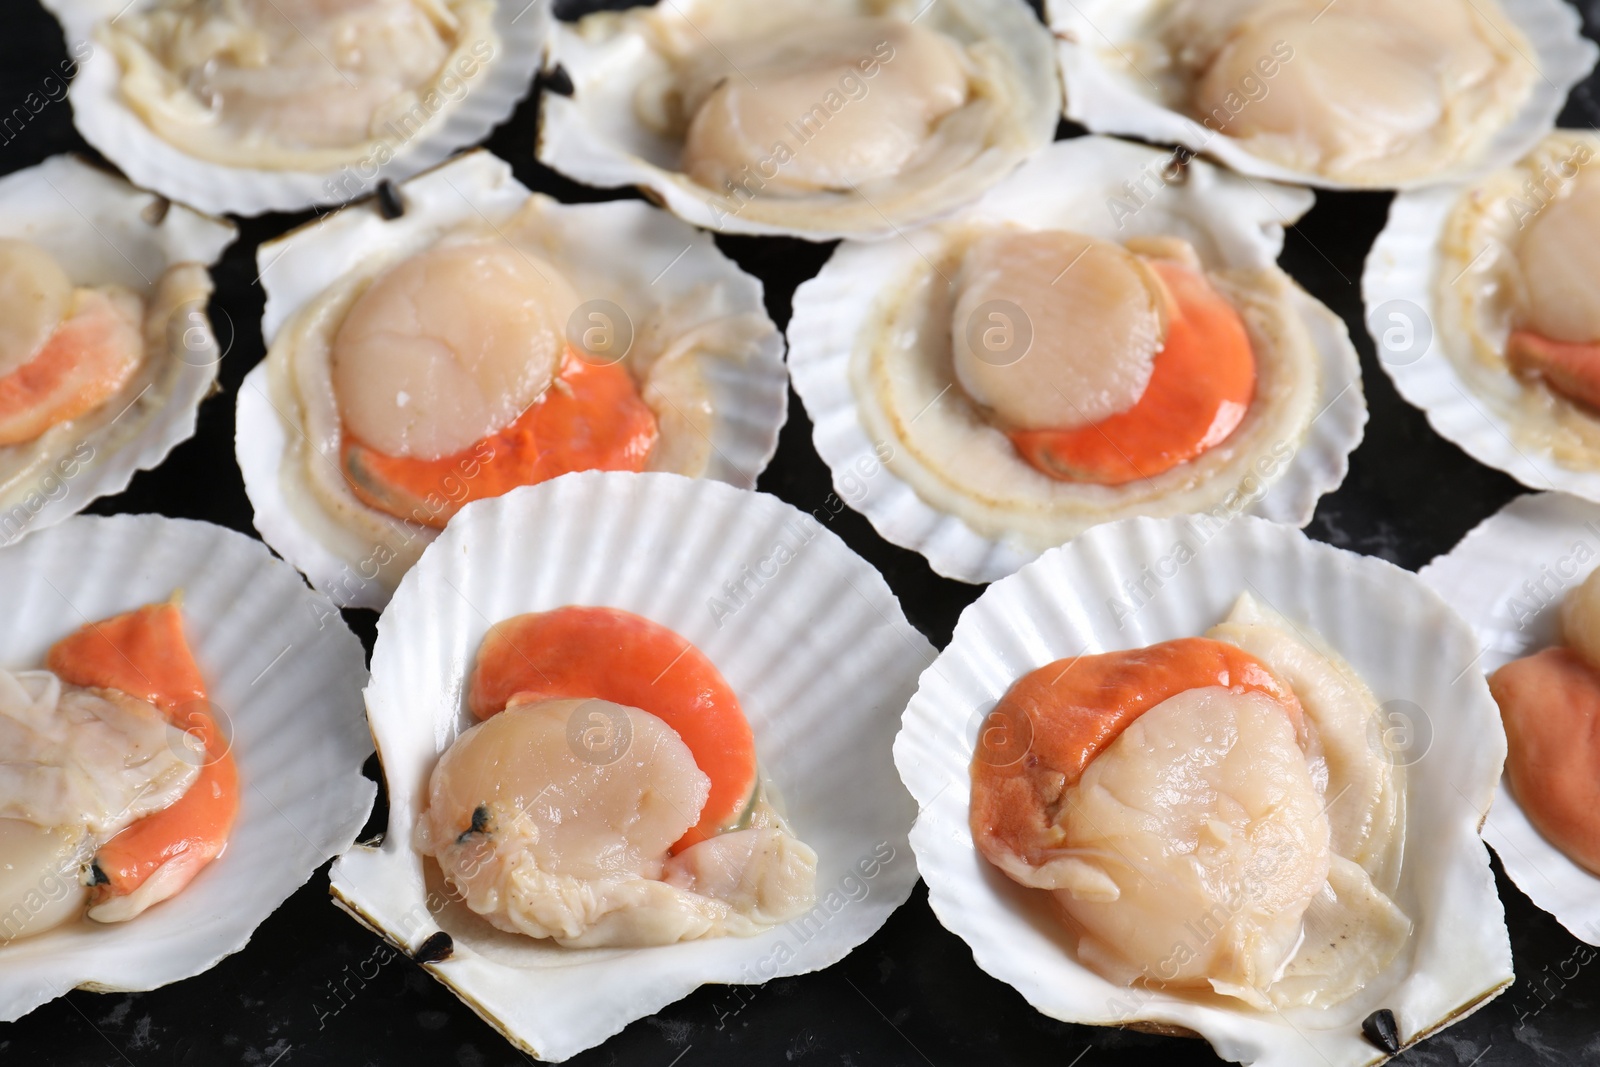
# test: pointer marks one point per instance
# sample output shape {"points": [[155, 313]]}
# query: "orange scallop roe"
{"points": [[1550, 704], [1570, 368], [144, 653], [609, 654], [83, 363], [1200, 389], [591, 418], [1055, 720]]}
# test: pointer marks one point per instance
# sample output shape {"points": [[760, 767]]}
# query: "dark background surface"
{"points": [[312, 987]]}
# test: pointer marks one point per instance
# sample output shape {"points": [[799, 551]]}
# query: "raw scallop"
{"points": [[546, 838], [1194, 844]]}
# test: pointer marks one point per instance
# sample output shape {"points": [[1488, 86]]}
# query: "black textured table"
{"points": [[312, 987]]}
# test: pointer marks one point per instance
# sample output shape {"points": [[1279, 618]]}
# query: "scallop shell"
{"points": [[104, 231], [659, 256], [1507, 578], [285, 675], [1233, 221], [820, 655], [1400, 637], [1400, 280], [118, 132], [592, 134], [1111, 101]]}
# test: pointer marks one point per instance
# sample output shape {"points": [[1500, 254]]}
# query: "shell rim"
{"points": [[261, 433], [151, 526], [1518, 868], [178, 418], [1572, 57], [626, 486], [953, 548], [118, 133], [565, 143], [991, 958]]}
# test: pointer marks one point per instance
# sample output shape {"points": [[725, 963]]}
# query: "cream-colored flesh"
{"points": [[783, 155], [1201, 816], [76, 767], [1092, 319], [292, 84], [1580, 618], [1215, 848], [40, 883], [1353, 927], [91, 758], [168, 330], [1480, 293], [317, 71], [809, 89], [1365, 91], [576, 849], [1559, 256], [947, 449], [675, 348], [449, 346], [35, 296], [1352, 932], [764, 874], [1343, 719]]}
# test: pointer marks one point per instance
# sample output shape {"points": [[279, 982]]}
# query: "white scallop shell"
{"points": [[1507, 578], [1397, 634], [285, 674], [1401, 271], [645, 252], [1107, 100], [98, 228], [1232, 221], [594, 136], [820, 655], [118, 132]]}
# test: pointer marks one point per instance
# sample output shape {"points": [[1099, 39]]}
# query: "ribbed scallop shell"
{"points": [[1128, 584], [285, 675], [1404, 270], [122, 136], [1112, 101], [104, 231], [1506, 578], [593, 134], [646, 251], [1233, 221], [819, 653]]}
